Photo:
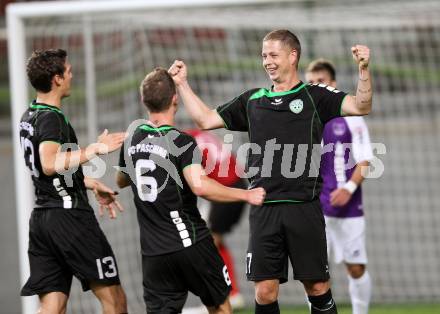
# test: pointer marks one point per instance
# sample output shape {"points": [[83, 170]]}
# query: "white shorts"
{"points": [[346, 240]]}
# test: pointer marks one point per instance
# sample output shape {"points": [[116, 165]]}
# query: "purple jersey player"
{"points": [[351, 147], [341, 196]]}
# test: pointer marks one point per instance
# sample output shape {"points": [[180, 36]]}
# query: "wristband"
{"points": [[350, 186]]}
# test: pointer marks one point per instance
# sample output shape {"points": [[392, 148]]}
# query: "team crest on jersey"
{"points": [[339, 128], [296, 106]]}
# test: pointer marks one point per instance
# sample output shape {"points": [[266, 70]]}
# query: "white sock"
{"points": [[308, 302], [360, 293]]}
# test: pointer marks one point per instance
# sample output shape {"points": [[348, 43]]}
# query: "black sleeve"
{"points": [[328, 101], [121, 162], [49, 127], [191, 154], [234, 113]]}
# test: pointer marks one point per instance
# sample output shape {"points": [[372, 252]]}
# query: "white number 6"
{"points": [[226, 275], [141, 181]]}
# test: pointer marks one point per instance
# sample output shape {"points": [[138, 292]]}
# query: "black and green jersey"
{"points": [[41, 123], [285, 132], [154, 159]]}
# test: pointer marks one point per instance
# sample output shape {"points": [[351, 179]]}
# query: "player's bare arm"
{"points": [[105, 196], [205, 117], [361, 103], [205, 187], [341, 196], [54, 161]]}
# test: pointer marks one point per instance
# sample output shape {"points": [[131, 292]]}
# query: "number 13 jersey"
{"points": [[45, 123]]}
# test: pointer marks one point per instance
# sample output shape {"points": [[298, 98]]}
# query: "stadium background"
{"points": [[222, 46]]}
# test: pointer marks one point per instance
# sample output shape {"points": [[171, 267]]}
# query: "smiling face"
{"points": [[279, 61]]}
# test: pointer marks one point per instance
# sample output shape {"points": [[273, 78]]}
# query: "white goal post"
{"points": [[113, 44]]}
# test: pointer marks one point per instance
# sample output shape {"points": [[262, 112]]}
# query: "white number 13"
{"points": [[110, 263]]}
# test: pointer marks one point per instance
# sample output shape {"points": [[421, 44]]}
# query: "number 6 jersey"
{"points": [[154, 159]]}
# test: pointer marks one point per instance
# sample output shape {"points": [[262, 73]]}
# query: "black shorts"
{"points": [[287, 230], [198, 268], [223, 216], [65, 243]]}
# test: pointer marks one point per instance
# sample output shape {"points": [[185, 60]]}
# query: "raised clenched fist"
{"points": [[361, 54]]}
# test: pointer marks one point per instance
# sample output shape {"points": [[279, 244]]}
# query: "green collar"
{"points": [[162, 128], [38, 106], [268, 93]]}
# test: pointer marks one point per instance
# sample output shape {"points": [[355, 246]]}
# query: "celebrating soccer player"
{"points": [[65, 239], [288, 116], [341, 196], [163, 167]]}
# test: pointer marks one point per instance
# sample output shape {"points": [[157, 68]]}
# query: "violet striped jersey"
{"points": [[350, 143]]}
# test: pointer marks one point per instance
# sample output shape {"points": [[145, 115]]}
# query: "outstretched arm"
{"points": [[105, 196], [361, 103], [53, 160], [205, 187], [205, 117]]}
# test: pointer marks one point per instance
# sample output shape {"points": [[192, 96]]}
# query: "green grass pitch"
{"points": [[375, 309]]}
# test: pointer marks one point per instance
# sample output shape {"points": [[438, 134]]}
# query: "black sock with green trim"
{"points": [[323, 304]]}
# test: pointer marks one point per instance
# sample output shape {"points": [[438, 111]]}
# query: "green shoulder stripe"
{"points": [[342, 103], [47, 108], [49, 141]]}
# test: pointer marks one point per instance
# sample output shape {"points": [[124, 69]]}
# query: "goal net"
{"points": [[111, 50]]}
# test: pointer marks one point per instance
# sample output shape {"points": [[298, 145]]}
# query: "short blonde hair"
{"points": [[287, 38]]}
